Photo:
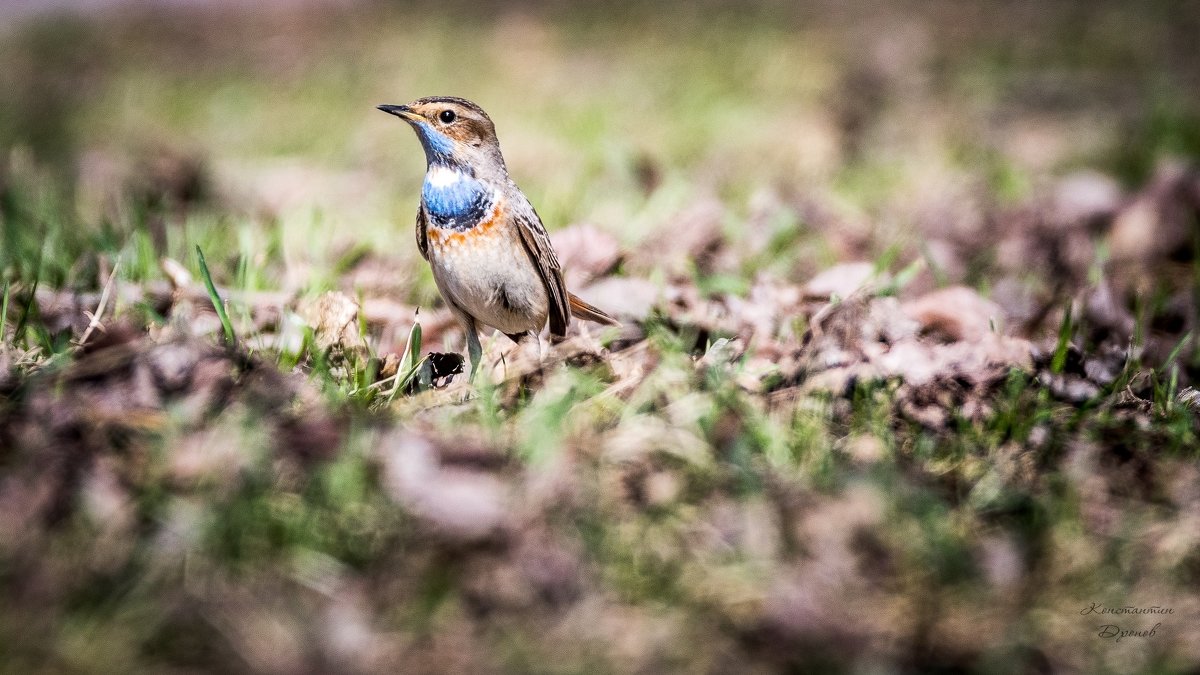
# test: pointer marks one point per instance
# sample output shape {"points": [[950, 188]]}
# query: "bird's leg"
{"points": [[474, 350]]}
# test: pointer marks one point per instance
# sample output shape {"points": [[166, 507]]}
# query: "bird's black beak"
{"points": [[402, 111]]}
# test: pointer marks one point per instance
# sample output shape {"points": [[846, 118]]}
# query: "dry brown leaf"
{"points": [[334, 320], [955, 314], [459, 504], [586, 253], [840, 280], [691, 241], [1082, 199], [626, 298], [1151, 238]]}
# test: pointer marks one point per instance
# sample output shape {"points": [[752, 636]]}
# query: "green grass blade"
{"points": [[4, 309], [904, 277], [215, 298], [1064, 342], [1178, 348], [414, 342], [410, 364], [30, 308]]}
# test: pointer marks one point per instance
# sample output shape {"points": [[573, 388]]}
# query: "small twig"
{"points": [[378, 384], [177, 274], [94, 317]]}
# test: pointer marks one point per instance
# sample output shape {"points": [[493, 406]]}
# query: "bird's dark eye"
{"points": [[447, 116]]}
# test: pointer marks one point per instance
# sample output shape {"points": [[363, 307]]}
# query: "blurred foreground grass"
{"points": [[167, 504]]}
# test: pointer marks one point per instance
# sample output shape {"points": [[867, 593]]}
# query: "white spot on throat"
{"points": [[443, 176]]}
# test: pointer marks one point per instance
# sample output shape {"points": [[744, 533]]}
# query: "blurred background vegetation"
{"points": [[253, 122], [242, 518]]}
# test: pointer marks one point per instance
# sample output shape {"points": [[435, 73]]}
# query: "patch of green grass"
{"points": [[337, 510]]}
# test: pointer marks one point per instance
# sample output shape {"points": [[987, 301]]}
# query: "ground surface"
{"points": [[903, 385]]}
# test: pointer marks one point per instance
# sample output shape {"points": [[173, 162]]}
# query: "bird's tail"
{"points": [[582, 310]]}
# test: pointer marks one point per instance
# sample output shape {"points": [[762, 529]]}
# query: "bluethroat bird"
{"points": [[490, 254]]}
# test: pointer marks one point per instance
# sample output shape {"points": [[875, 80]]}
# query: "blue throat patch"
{"points": [[437, 146], [451, 194], [459, 203]]}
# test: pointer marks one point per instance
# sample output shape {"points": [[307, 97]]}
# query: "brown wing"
{"points": [[422, 234], [537, 243]]}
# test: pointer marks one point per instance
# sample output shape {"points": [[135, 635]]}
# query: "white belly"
{"points": [[488, 275]]}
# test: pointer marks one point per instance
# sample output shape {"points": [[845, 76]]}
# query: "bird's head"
{"points": [[453, 131]]}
